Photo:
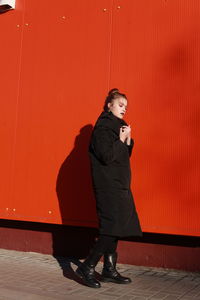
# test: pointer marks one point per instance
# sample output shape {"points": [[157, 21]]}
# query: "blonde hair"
{"points": [[112, 94]]}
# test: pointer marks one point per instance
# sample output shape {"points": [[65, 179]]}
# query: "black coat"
{"points": [[111, 176]]}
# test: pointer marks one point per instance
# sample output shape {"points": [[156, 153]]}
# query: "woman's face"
{"points": [[118, 107]]}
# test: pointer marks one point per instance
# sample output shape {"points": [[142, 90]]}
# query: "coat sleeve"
{"points": [[105, 146], [130, 147]]}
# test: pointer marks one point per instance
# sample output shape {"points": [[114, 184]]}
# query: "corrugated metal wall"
{"points": [[58, 61]]}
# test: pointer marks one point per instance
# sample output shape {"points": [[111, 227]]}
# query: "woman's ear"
{"points": [[109, 105]]}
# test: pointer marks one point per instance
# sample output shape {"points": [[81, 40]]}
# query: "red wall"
{"points": [[58, 62]]}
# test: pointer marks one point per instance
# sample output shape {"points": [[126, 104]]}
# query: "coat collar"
{"points": [[108, 120]]}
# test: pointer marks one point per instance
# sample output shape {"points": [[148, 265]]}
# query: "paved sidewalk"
{"points": [[33, 276]]}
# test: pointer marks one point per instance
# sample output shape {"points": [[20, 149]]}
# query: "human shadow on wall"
{"points": [[76, 201], [77, 206]]}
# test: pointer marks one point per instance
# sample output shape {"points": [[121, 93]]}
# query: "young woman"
{"points": [[110, 148]]}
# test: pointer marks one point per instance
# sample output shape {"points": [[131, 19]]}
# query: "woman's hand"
{"points": [[125, 134]]}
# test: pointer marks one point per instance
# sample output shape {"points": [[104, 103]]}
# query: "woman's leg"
{"points": [[109, 272], [104, 244]]}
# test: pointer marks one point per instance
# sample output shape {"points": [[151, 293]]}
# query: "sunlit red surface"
{"points": [[57, 64]]}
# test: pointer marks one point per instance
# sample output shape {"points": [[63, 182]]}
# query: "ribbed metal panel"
{"points": [[57, 64]]}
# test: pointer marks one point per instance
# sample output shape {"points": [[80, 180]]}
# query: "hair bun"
{"points": [[113, 91]]}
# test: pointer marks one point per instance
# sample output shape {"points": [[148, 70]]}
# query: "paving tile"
{"points": [[33, 276], [159, 296], [172, 297], [140, 298], [140, 293]]}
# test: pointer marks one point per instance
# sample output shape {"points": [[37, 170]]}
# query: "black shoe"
{"points": [[109, 273], [86, 271]]}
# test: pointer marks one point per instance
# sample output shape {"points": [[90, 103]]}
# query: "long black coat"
{"points": [[111, 176]]}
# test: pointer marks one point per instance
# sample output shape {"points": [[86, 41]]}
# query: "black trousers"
{"points": [[105, 244]]}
